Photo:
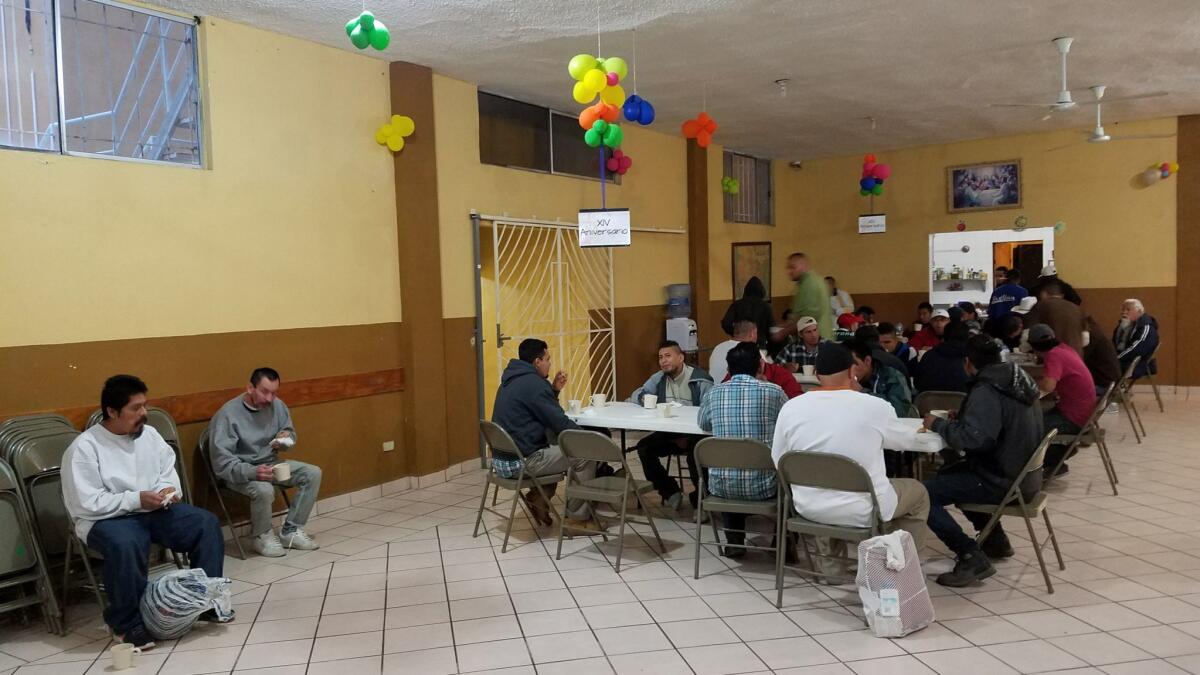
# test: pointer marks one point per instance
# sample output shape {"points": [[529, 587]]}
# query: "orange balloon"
{"points": [[703, 118], [711, 127], [691, 128], [587, 118], [703, 139], [870, 158], [609, 113]]}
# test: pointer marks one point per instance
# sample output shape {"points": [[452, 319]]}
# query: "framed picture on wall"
{"points": [[751, 259], [983, 187]]}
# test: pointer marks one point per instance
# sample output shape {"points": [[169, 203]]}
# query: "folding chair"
{"points": [[219, 486], [829, 472], [595, 447], [1123, 395], [1152, 365], [1090, 432], [21, 558], [498, 439], [928, 401], [732, 453], [1015, 504]]}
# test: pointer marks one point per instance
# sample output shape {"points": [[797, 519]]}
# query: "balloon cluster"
{"points": [[638, 109], [730, 186], [597, 76], [604, 132], [619, 163], [600, 111], [701, 128], [1157, 173], [873, 175], [393, 133], [365, 30]]}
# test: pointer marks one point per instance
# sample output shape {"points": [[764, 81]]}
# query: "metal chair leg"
{"points": [[1136, 413], [780, 547], [66, 582], [487, 483], [1053, 539], [1037, 550], [621, 529], [512, 511], [1125, 403], [495, 494], [699, 530], [1109, 469], [1154, 388], [653, 528]]}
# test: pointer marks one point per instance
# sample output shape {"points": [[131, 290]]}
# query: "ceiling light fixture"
{"points": [[782, 83]]}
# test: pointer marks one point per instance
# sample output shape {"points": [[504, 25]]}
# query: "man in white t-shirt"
{"points": [[840, 419], [717, 365]]}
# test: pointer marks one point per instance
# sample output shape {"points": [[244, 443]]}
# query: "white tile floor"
{"points": [[400, 586]]}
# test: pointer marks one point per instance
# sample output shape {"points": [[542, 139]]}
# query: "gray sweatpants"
{"points": [[305, 477], [551, 460]]}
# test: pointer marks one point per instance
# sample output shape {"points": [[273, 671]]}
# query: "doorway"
{"points": [[1025, 256]]}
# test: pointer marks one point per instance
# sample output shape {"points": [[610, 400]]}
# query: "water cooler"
{"points": [[680, 328], [683, 331]]}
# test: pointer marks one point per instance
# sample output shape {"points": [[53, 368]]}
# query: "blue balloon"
{"points": [[867, 183], [645, 113], [632, 107]]}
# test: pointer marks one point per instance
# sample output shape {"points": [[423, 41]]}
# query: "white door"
{"points": [[547, 287]]}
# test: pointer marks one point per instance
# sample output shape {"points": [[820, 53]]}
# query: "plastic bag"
{"points": [[892, 586], [173, 601]]}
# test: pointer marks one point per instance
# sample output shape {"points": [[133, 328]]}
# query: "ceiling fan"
{"points": [[1098, 134], [1063, 100]]}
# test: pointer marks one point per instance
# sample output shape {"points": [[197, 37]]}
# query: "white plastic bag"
{"points": [[173, 601], [892, 587]]}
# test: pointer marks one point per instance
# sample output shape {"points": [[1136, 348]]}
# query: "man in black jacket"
{"points": [[943, 368], [1137, 335], [527, 408], [755, 307], [997, 430]]}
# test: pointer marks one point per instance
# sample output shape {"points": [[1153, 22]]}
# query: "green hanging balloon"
{"points": [[350, 26], [864, 192], [877, 190], [359, 37], [366, 20], [380, 38], [613, 136]]}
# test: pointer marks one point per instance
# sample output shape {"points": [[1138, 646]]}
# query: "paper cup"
{"points": [[666, 410], [808, 370], [598, 400], [282, 472], [943, 414], [649, 401], [122, 656], [574, 406]]}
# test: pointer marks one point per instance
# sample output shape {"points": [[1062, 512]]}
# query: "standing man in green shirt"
{"points": [[811, 297]]}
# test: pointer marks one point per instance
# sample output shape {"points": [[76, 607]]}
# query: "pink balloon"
{"points": [[868, 168], [882, 171], [613, 79], [613, 164]]}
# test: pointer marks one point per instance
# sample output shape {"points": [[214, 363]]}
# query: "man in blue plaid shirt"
{"points": [[803, 348], [742, 407]]}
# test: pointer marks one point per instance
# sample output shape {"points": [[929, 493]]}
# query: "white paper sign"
{"points": [[598, 227], [872, 223]]}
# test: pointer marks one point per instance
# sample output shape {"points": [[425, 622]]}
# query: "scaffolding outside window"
{"points": [[753, 201], [120, 82]]}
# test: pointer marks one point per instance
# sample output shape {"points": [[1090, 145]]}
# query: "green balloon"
{"points": [[350, 26], [864, 192], [380, 38], [614, 136], [592, 138], [359, 37], [367, 20], [599, 126], [877, 190]]}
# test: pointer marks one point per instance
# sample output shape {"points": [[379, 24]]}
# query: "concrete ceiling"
{"points": [[925, 70]]}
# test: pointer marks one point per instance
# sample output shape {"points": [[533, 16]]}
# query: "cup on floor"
{"points": [[122, 655], [282, 472], [573, 406], [666, 410], [649, 401], [598, 400]]}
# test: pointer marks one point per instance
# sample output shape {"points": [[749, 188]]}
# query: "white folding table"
{"points": [[633, 417]]}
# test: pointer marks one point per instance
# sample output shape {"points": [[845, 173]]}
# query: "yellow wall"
{"points": [[291, 225], [655, 191], [1118, 233]]}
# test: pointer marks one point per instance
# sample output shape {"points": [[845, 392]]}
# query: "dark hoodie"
{"points": [[998, 428], [1140, 339], [754, 307], [942, 368], [527, 408]]}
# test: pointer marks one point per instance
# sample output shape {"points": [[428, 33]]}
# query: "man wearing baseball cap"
{"points": [[803, 352], [930, 335], [1068, 378]]}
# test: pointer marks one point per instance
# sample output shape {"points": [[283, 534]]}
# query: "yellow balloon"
{"points": [[595, 80], [381, 135], [403, 125], [395, 143], [616, 64], [582, 94], [1174, 167], [613, 95], [580, 65]]}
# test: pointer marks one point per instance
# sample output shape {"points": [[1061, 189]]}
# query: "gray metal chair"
{"points": [[219, 486], [499, 439], [1090, 433], [732, 453], [1123, 395], [828, 472], [578, 444], [1015, 504], [1153, 363], [22, 561], [928, 401]]}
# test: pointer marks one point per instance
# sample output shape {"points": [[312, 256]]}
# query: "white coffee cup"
{"points": [[666, 410], [943, 414], [598, 400], [574, 405], [808, 370], [649, 401], [122, 655], [282, 471]]}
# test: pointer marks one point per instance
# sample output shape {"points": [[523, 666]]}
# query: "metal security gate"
{"points": [[545, 286]]}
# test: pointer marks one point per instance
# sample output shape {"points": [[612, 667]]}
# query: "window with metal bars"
{"points": [[753, 202], [99, 78]]}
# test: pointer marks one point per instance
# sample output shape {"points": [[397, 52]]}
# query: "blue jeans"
{"points": [[960, 487], [125, 544]]}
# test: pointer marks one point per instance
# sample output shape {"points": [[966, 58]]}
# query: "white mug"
{"points": [[122, 655], [649, 401], [573, 406], [666, 410], [808, 370], [942, 414], [598, 400], [282, 472]]}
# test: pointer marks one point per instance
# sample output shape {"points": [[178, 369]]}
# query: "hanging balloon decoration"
{"points": [[701, 128], [638, 109], [873, 175], [730, 186], [1160, 171], [365, 30], [394, 132], [600, 111], [598, 77], [610, 135], [1060, 227], [619, 163]]}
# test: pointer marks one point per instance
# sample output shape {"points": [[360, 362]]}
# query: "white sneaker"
{"points": [[1112, 408], [267, 544], [674, 501], [299, 540]]}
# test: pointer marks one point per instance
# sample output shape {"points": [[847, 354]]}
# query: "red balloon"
{"points": [[882, 171], [1165, 166], [961, 226], [703, 139], [869, 158], [868, 168]]}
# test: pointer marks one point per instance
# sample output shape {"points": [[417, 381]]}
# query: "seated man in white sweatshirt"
{"points": [[122, 493], [838, 418]]}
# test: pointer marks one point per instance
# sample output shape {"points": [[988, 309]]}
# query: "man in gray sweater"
{"points": [[247, 434]]}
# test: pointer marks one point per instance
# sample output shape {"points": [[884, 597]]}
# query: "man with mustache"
{"points": [[122, 493]]}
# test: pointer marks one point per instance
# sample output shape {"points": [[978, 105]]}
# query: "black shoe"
{"points": [[604, 469], [138, 637], [733, 552], [968, 569], [211, 617], [1062, 470], [997, 547]]}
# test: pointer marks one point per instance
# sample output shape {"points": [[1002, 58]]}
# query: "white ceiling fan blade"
{"points": [[1142, 137], [1064, 147], [1135, 97], [1022, 105]]}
